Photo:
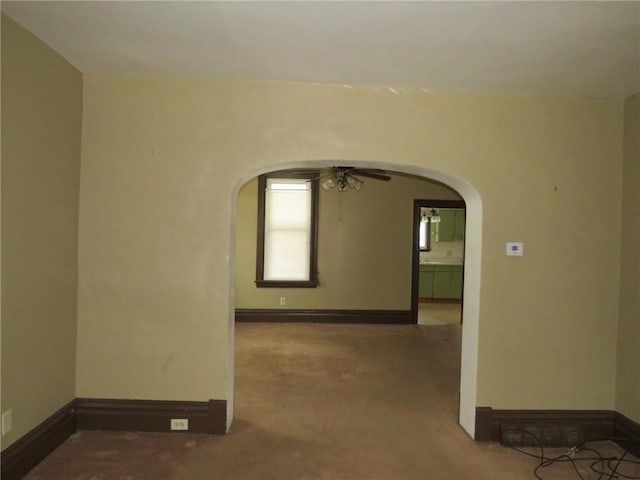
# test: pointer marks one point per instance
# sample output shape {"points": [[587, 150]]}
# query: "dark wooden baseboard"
{"points": [[100, 414], [626, 432], [32, 448], [589, 425], [150, 415], [324, 316]]}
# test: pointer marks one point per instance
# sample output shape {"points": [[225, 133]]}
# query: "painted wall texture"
{"points": [[364, 253], [628, 369], [41, 121], [162, 162]]}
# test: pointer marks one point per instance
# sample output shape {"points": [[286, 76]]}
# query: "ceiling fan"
{"points": [[344, 178]]}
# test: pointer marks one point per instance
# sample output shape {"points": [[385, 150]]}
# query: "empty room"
{"points": [[320, 240]]}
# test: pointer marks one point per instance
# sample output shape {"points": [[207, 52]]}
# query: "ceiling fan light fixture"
{"points": [[328, 183], [354, 183], [343, 178]]}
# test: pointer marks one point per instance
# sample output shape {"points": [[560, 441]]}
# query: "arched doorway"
{"points": [[473, 250]]}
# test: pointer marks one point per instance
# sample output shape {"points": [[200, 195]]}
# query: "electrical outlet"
{"points": [[179, 424], [283, 301], [7, 422]]}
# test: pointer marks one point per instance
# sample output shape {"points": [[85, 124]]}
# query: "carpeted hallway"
{"points": [[318, 402]]}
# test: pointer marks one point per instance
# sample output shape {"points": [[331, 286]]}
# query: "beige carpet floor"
{"points": [[320, 402]]}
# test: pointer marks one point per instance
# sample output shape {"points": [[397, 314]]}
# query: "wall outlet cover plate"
{"points": [[179, 424]]}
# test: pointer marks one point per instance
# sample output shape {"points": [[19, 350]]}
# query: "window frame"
{"points": [[313, 282]]}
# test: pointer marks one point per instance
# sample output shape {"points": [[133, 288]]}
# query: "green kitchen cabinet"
{"points": [[458, 225], [446, 226], [447, 282], [456, 277], [425, 281], [442, 284], [451, 225]]}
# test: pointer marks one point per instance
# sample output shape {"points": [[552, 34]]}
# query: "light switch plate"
{"points": [[515, 249]]}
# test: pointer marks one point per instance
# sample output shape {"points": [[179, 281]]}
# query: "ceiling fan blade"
{"points": [[301, 173], [370, 174], [370, 170]]}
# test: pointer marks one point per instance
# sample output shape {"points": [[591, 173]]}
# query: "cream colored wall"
{"points": [[163, 159], [628, 360], [365, 247], [41, 122]]}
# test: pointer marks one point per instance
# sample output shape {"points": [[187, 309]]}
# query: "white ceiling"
{"points": [[551, 48]]}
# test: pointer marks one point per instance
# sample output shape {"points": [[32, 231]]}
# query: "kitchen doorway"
{"points": [[437, 261]]}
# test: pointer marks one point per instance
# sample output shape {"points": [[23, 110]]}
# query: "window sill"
{"points": [[286, 284]]}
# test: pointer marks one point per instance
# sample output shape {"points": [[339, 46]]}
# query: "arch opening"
{"points": [[471, 294]]}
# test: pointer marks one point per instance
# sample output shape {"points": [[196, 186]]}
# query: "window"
{"points": [[287, 231], [425, 234]]}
